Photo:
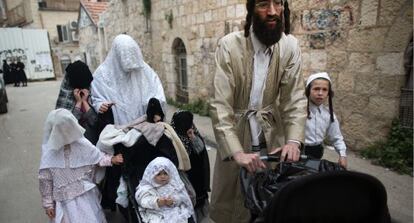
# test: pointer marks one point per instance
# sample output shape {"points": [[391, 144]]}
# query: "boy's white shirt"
{"points": [[319, 127]]}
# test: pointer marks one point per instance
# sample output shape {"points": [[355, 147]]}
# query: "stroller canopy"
{"points": [[338, 196]]}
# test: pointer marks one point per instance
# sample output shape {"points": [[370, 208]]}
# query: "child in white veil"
{"points": [[161, 195], [67, 171]]}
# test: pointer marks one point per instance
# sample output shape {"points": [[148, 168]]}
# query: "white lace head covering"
{"points": [[62, 128], [175, 187], [157, 165], [126, 80]]}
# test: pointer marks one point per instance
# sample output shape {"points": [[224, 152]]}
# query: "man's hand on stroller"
{"points": [[250, 161], [290, 152], [117, 160]]}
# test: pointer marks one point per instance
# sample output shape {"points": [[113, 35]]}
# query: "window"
{"points": [[63, 33], [180, 56], [406, 99], [64, 62]]}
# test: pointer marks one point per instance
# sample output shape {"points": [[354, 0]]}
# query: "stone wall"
{"points": [[360, 43], [199, 24]]}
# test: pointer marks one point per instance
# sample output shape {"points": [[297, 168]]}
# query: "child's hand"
{"points": [[105, 107], [161, 202], [342, 161], [76, 94], [50, 212], [117, 160], [169, 201], [85, 94]]}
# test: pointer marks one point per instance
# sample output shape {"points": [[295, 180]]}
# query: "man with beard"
{"points": [[258, 103]]}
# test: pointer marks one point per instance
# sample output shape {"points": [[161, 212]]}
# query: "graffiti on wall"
{"points": [[43, 62], [321, 40], [326, 25], [13, 54]]}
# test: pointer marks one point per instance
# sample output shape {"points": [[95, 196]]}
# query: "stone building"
{"points": [[90, 32], [360, 43], [58, 17]]}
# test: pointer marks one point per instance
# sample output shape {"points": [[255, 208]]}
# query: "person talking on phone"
{"points": [[74, 95]]}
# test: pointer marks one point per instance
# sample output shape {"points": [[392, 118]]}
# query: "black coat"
{"points": [[199, 175], [137, 157], [7, 75]]}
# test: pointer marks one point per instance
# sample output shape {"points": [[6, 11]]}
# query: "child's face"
{"points": [[319, 91], [157, 118], [162, 178]]}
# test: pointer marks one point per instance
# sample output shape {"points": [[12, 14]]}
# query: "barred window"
{"points": [[180, 56]]}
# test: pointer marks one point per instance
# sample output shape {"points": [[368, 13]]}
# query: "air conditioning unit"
{"points": [[73, 24], [75, 36]]}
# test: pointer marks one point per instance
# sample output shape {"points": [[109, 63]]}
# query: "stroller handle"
{"points": [[276, 158]]}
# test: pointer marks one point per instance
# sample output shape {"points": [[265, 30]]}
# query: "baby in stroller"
{"points": [[141, 141], [161, 195]]}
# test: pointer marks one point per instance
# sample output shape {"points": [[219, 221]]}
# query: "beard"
{"points": [[265, 35]]}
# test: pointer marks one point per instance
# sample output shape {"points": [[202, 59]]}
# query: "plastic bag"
{"points": [[259, 188]]}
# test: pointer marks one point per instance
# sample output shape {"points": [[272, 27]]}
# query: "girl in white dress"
{"points": [[67, 171], [161, 195]]}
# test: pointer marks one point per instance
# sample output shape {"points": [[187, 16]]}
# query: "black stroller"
{"points": [[313, 191]]}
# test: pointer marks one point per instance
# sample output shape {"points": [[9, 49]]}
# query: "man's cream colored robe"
{"points": [[282, 116]]}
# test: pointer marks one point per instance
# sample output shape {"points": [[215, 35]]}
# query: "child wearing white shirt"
{"points": [[322, 124]]}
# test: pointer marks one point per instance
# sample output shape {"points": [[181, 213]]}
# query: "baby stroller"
{"points": [[313, 191]]}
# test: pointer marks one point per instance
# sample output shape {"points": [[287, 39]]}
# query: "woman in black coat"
{"points": [[199, 174]]}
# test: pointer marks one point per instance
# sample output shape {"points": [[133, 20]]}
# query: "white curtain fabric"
{"points": [[126, 80]]}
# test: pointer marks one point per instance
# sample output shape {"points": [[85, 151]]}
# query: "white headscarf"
{"points": [[126, 80], [175, 187], [62, 128]]}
